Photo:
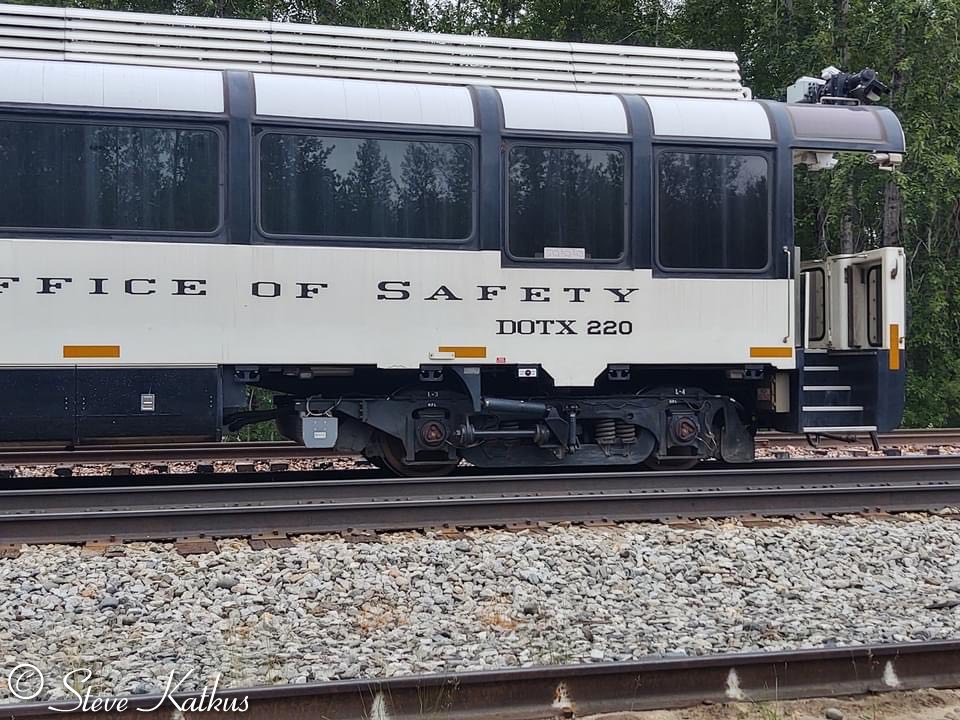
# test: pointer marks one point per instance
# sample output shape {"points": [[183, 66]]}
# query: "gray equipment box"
{"points": [[319, 433]]}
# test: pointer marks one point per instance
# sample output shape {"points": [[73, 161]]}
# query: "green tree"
{"points": [[370, 193]]}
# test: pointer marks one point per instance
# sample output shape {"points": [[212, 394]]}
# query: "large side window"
{"points": [[713, 211], [313, 185], [79, 176], [566, 203]]}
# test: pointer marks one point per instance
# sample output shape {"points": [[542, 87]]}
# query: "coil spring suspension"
{"points": [[626, 432], [605, 431]]}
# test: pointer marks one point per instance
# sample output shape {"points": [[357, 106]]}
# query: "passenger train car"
{"points": [[430, 248]]}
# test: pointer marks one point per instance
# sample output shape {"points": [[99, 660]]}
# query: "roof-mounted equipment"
{"points": [[835, 87]]}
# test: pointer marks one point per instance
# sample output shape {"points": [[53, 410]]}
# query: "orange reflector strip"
{"points": [[91, 351], [771, 352], [464, 351], [894, 356]]}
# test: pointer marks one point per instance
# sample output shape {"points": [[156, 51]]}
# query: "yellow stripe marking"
{"points": [[894, 356], [771, 352], [464, 351], [91, 351]]}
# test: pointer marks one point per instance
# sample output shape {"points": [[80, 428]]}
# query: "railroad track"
{"points": [[284, 474], [575, 691], [905, 436], [253, 508], [161, 452], [273, 451]]}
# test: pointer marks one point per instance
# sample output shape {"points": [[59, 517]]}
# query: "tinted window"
{"points": [[108, 177], [817, 297], [566, 203], [712, 211], [365, 187], [874, 307]]}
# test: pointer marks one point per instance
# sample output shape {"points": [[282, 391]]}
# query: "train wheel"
{"points": [[679, 462], [392, 454]]}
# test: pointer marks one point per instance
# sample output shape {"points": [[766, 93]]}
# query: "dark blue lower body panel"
{"points": [[82, 404], [847, 390]]}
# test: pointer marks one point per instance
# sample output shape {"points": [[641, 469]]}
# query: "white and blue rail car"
{"points": [[431, 248]]}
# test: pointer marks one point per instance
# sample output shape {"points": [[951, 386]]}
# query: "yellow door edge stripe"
{"points": [[894, 355], [91, 351], [464, 351], [771, 352]]}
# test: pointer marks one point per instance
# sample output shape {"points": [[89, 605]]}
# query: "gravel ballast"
{"points": [[326, 609]]}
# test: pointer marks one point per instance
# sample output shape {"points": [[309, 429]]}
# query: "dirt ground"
{"points": [[919, 705]]}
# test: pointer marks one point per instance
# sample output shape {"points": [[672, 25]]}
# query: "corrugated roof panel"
{"points": [[167, 40]]}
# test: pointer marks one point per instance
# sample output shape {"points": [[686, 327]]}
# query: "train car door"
{"points": [[814, 294], [855, 302]]}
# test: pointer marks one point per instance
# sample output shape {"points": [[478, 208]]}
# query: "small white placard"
{"points": [[564, 253]]}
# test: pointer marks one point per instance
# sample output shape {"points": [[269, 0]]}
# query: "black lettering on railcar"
{"points": [[622, 294], [130, 289], [98, 286], [609, 327], [536, 327], [577, 293], [399, 292], [189, 287], [444, 292], [258, 287], [6, 280], [50, 285], [535, 294], [489, 292], [308, 290]]}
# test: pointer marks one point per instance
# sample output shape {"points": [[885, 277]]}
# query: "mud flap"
{"points": [[736, 442]]}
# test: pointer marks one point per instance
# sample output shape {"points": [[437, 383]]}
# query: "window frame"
{"points": [[214, 124], [261, 130], [821, 302], [624, 148], [877, 327], [768, 154]]}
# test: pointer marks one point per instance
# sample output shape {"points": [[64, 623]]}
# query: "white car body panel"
{"points": [[675, 320]]}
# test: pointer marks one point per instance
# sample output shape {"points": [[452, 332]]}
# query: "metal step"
{"points": [[821, 368], [825, 388], [842, 429], [832, 408]]}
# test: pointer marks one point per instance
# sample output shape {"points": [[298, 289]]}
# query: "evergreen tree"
{"points": [[370, 194]]}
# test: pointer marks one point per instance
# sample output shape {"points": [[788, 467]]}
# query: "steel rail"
{"points": [[904, 436], [170, 512], [465, 473], [160, 452], [299, 486], [569, 691], [265, 451]]}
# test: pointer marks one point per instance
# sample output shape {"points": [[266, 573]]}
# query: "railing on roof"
{"points": [[30, 31]]}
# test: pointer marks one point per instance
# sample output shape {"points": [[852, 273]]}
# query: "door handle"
{"points": [[786, 251]]}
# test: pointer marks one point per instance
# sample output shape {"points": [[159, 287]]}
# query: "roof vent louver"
{"points": [[29, 31]]}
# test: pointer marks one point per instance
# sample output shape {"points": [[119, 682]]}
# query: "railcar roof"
{"points": [[85, 85], [130, 61], [46, 33]]}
